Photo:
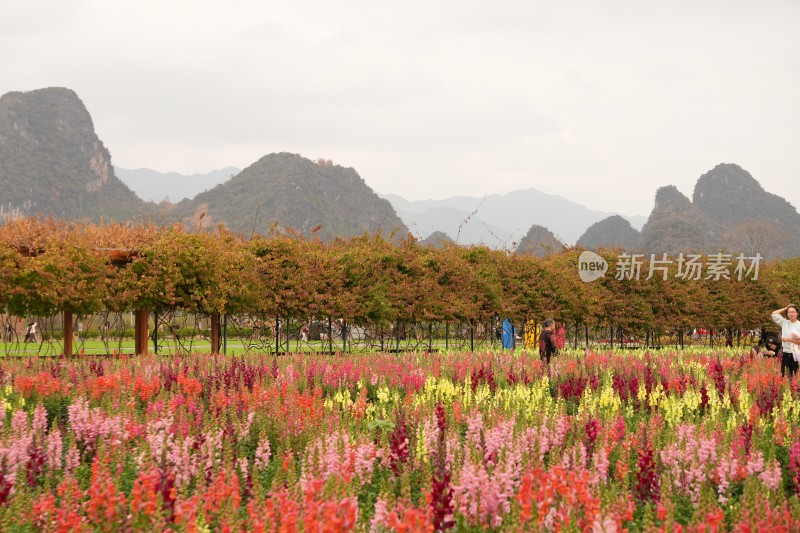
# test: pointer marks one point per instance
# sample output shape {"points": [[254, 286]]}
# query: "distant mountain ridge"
{"points": [[155, 186], [500, 219], [437, 239], [52, 163]]}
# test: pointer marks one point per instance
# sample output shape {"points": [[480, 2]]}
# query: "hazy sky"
{"points": [[599, 101]]}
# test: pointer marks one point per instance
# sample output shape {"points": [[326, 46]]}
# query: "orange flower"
{"points": [[42, 384], [105, 507], [186, 513], [101, 386], [144, 496], [360, 405], [145, 390], [781, 431], [190, 386], [44, 510], [278, 514], [409, 520], [222, 494]]}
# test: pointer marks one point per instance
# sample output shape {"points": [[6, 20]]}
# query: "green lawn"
{"points": [[237, 345]]}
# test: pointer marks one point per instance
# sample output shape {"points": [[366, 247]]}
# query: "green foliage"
{"points": [[371, 492], [128, 471], [684, 509], [47, 267], [56, 406]]}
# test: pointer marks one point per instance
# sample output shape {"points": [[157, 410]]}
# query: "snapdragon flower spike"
{"points": [[647, 481], [398, 442], [441, 495]]}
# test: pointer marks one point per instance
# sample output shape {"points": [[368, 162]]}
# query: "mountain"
{"points": [[437, 239], [52, 163], [291, 191], [754, 219], [539, 241], [676, 225], [499, 219], [466, 227], [155, 186], [611, 232], [729, 212], [727, 193]]}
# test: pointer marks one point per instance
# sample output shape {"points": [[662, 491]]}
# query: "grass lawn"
{"points": [[232, 346]]}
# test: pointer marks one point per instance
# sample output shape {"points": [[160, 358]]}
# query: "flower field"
{"points": [[660, 441]]}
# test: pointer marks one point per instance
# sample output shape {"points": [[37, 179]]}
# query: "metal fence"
{"points": [[172, 331]]}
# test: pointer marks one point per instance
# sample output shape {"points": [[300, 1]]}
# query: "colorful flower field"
{"points": [[636, 441]]}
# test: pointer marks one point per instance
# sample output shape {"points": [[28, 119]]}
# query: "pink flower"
{"points": [[378, 522], [601, 464], [39, 425], [89, 424], [725, 471], [771, 476], [73, 459], [755, 464], [263, 453], [54, 449]]}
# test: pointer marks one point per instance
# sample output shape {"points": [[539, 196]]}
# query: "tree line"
{"points": [[47, 266]]}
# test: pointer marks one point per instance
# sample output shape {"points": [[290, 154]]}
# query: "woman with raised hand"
{"points": [[786, 318]]}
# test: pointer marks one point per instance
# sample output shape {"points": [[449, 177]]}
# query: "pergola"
{"points": [[141, 315]]}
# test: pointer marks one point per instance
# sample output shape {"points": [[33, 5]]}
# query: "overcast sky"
{"points": [[599, 101]]}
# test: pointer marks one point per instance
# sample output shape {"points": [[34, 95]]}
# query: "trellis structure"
{"points": [[120, 258]]}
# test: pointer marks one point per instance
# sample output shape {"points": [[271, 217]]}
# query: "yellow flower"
{"points": [[588, 403], [692, 401], [673, 410], [467, 397], [610, 402], [641, 394], [744, 401], [421, 448], [656, 394], [714, 404], [383, 394]]}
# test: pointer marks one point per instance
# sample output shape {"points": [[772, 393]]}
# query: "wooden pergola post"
{"points": [[141, 341], [214, 333], [67, 333]]}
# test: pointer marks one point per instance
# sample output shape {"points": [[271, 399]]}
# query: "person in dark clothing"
{"points": [[769, 346], [547, 341]]}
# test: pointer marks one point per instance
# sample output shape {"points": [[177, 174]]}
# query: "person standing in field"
{"points": [[560, 335], [30, 333], [786, 318], [547, 341]]}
